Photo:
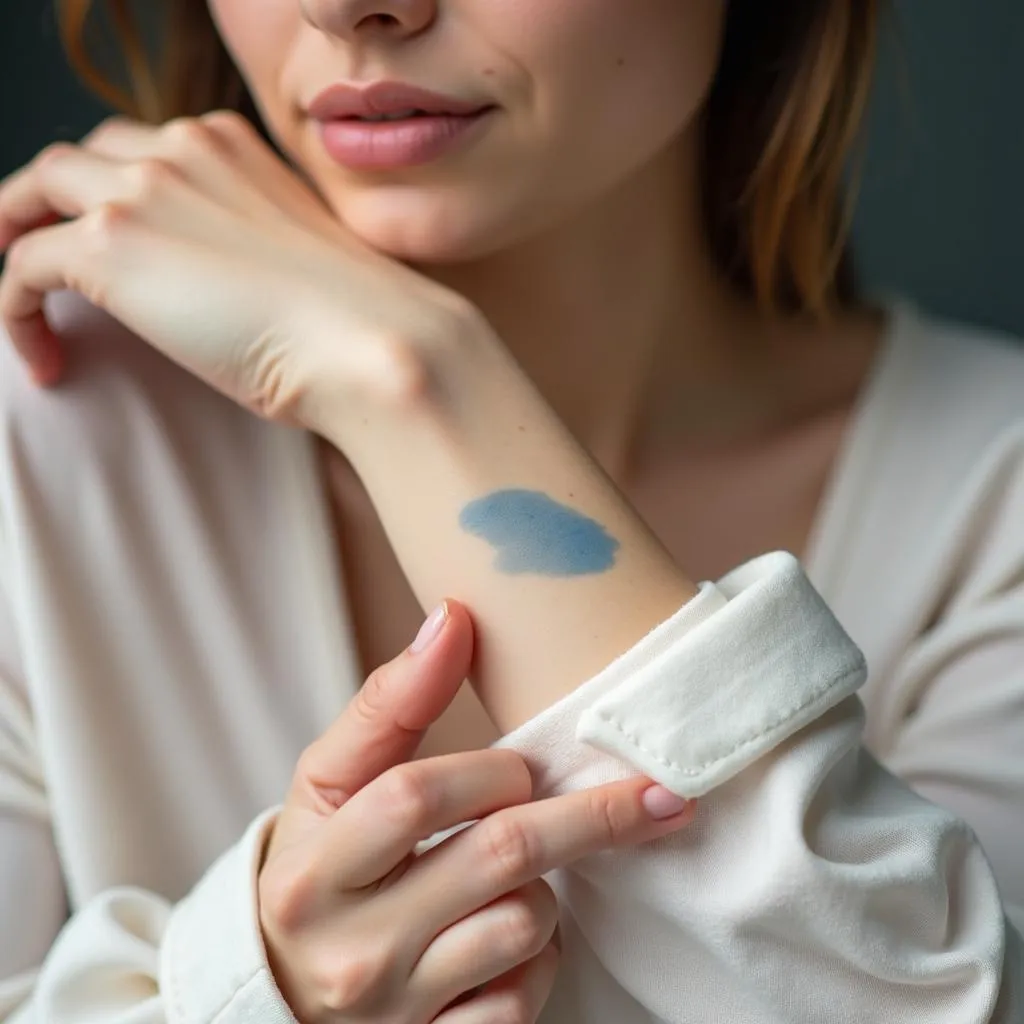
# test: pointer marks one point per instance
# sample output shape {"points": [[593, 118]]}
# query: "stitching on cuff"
{"points": [[220, 1015], [744, 742]]}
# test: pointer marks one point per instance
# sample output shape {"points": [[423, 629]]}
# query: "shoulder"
{"points": [[112, 377], [118, 396], [929, 506], [966, 384], [124, 431], [946, 419], [955, 411]]}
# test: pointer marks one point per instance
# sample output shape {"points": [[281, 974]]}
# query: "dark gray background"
{"points": [[941, 214]]}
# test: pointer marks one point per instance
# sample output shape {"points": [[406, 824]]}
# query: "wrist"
{"points": [[396, 381]]}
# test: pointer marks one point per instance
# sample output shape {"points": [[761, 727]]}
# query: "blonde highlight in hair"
{"points": [[781, 123]]}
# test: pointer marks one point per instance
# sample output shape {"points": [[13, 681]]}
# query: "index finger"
{"points": [[384, 723], [511, 847]]}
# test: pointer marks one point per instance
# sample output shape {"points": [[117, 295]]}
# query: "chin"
{"points": [[415, 226]]}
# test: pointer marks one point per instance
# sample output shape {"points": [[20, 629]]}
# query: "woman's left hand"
{"points": [[199, 239]]}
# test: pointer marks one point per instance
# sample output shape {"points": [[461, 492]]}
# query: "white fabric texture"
{"points": [[173, 633]]}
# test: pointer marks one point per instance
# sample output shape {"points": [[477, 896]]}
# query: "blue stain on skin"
{"points": [[534, 533]]}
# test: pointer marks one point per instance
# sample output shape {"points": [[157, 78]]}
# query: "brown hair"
{"points": [[781, 121]]}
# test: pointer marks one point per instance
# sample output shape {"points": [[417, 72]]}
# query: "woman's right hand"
{"points": [[358, 927]]}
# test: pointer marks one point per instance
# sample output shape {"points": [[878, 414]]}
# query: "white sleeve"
{"points": [[32, 901], [130, 957], [952, 720], [127, 956], [813, 885], [962, 744]]}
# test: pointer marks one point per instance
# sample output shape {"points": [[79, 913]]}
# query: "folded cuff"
{"points": [[213, 962], [748, 662]]}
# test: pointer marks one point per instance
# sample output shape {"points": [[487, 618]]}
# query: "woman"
{"points": [[558, 290]]}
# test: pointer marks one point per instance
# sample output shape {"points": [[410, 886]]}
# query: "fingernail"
{"points": [[662, 803], [430, 629]]}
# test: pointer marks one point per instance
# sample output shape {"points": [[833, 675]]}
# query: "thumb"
{"points": [[384, 723]]}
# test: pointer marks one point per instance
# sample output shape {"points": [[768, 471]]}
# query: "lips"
{"points": [[388, 126], [388, 101]]}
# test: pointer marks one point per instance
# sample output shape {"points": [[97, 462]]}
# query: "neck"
{"points": [[617, 315]]}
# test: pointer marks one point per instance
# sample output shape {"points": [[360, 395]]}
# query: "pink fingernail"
{"points": [[662, 803], [430, 629]]}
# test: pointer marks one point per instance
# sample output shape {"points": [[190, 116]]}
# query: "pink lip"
{"points": [[349, 101], [441, 123], [391, 145]]}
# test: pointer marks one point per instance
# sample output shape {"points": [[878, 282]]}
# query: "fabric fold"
{"points": [[213, 965], [748, 662]]}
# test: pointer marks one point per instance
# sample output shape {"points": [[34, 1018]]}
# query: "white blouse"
{"points": [[173, 634]]}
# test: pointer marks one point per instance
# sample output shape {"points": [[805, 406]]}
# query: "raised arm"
{"points": [[486, 497]]}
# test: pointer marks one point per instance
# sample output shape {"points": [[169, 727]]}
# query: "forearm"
{"points": [[487, 498]]}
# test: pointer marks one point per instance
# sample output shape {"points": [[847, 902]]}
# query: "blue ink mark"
{"points": [[534, 533]]}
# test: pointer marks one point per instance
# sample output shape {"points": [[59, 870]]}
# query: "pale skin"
{"points": [[390, 321]]}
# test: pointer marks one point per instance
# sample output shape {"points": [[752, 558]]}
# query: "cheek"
{"points": [[625, 75], [608, 84], [258, 37]]}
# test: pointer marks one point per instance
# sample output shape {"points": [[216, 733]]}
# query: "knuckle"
{"points": [[607, 822], [18, 255], [151, 176], [311, 778], [408, 800], [308, 761], [522, 930], [510, 1007], [343, 982], [53, 153], [186, 135], [371, 701], [354, 979], [287, 897], [107, 128], [308, 766], [102, 225], [229, 123], [509, 850]]}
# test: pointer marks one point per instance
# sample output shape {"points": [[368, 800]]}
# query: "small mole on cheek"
{"points": [[621, 62], [488, 71]]}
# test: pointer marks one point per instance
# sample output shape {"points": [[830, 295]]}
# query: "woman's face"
{"points": [[583, 94]]}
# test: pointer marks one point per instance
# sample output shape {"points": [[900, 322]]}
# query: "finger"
{"points": [[385, 721], [37, 263], [519, 995], [485, 946], [381, 824], [63, 181], [511, 847], [220, 151], [121, 138], [279, 178], [200, 154]]}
